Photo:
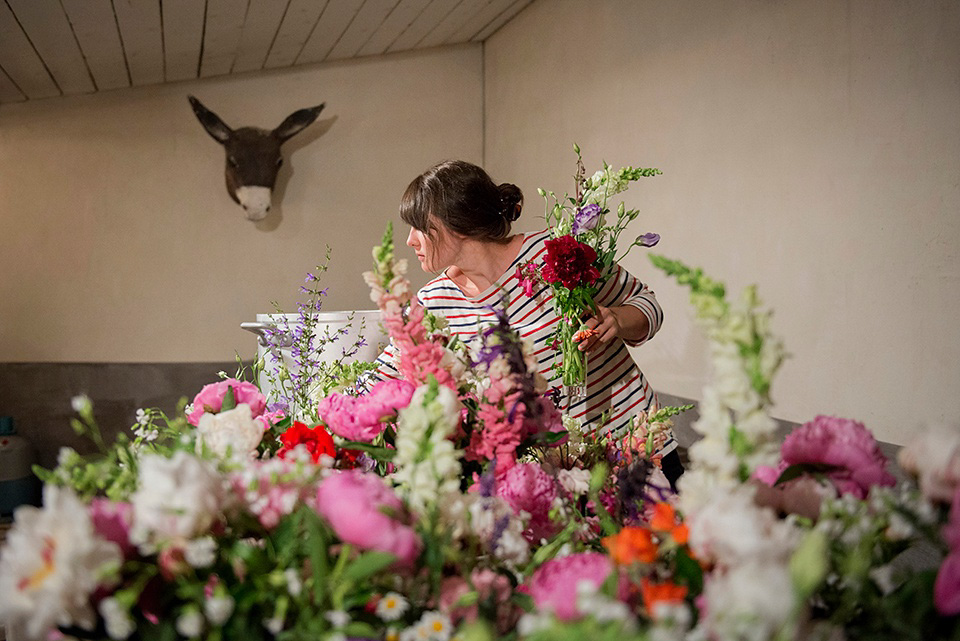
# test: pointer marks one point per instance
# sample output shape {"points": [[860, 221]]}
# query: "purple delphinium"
{"points": [[586, 219]]}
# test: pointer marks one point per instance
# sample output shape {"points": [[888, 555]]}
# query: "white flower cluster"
{"points": [[51, 564], [489, 520], [432, 626], [232, 433], [428, 466], [177, 498]]}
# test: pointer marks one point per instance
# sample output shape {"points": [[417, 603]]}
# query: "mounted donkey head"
{"points": [[253, 155]]}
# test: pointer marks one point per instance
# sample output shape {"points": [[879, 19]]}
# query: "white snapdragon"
{"points": [[200, 553], [752, 602], [190, 623], [116, 619], [52, 562], [218, 608]]}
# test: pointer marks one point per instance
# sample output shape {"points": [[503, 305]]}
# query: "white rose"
{"points": [[234, 431]]}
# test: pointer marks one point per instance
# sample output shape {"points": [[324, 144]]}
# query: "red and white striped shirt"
{"points": [[615, 385]]}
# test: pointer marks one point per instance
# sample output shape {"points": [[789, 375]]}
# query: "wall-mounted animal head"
{"points": [[253, 155]]}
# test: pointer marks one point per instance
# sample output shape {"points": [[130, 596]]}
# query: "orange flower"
{"points": [[584, 334], [632, 544], [667, 592], [665, 520]]}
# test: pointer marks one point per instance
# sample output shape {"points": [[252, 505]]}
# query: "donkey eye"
{"points": [[232, 160], [279, 162]]}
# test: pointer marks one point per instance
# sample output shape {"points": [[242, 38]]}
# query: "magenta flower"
{"points": [[526, 487], [357, 505], [112, 521], [554, 585], [844, 443], [361, 418], [946, 589], [210, 399]]}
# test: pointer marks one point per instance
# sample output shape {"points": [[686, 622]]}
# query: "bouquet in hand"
{"points": [[581, 255]]}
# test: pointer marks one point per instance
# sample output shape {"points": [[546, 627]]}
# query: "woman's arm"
{"points": [[628, 310]]}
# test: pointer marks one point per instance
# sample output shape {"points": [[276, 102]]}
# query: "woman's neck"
{"points": [[480, 264]]}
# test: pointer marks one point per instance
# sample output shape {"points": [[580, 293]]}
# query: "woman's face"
{"points": [[434, 253]]}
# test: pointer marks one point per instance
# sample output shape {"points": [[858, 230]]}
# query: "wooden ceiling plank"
{"points": [[501, 20], [95, 27], [20, 60], [451, 23], [299, 22], [424, 24], [402, 16], [479, 21], [224, 26], [182, 38], [9, 92], [259, 30], [335, 19], [371, 15], [141, 32], [47, 26]]}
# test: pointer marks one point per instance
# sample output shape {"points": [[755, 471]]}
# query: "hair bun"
{"points": [[511, 201]]}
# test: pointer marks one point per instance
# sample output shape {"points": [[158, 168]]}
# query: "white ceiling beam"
{"points": [[47, 26], [367, 21], [501, 20], [301, 18], [224, 26], [335, 19], [461, 14], [8, 90], [141, 32], [95, 26], [402, 16], [20, 60], [433, 15], [182, 38], [263, 22], [479, 21]]}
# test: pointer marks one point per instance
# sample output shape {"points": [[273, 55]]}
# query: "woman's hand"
{"points": [[626, 322]]}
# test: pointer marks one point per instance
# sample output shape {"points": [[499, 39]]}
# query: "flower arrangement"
{"points": [[581, 254], [459, 503]]}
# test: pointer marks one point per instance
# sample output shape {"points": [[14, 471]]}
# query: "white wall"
{"points": [[811, 147], [120, 243]]}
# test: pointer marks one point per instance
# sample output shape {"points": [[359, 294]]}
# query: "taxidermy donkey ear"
{"points": [[253, 154]]}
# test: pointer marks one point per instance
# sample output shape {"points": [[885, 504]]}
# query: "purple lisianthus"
{"points": [[586, 219], [648, 240]]}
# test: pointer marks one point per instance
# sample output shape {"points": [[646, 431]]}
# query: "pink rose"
{"points": [[210, 399], [844, 443], [112, 521], [357, 505], [528, 488], [361, 418], [554, 585]]}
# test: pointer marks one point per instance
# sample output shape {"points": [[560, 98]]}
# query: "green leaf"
{"points": [[163, 631], [800, 469], [229, 400], [368, 564], [376, 451]]}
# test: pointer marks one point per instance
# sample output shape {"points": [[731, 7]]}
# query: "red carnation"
{"points": [[317, 441], [570, 262]]}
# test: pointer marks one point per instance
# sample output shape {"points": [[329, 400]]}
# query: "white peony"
{"points": [[52, 562], [177, 497], [233, 431], [752, 602]]}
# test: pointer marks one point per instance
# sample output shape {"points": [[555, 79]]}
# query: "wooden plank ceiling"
{"points": [[52, 48]]}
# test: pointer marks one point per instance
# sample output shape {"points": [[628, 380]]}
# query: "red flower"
{"points": [[569, 262], [317, 441]]}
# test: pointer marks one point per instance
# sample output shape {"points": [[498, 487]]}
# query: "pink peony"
{"points": [[554, 585], [112, 521], [210, 399], [528, 488], [357, 505], [844, 443], [361, 418], [946, 589]]}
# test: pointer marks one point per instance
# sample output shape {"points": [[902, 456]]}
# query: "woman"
{"points": [[460, 223]]}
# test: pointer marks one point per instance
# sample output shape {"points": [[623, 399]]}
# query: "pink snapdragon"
{"points": [[210, 399], [554, 585], [357, 505], [363, 418]]}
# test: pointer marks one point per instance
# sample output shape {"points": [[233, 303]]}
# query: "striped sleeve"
{"points": [[625, 289]]}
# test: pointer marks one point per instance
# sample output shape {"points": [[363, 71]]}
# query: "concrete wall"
{"points": [[119, 243], [811, 147]]}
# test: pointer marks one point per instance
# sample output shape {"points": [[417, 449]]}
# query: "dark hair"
{"points": [[462, 197]]}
